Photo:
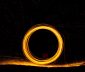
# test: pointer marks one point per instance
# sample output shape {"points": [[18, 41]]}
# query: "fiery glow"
{"points": [[36, 62], [27, 52], [27, 63]]}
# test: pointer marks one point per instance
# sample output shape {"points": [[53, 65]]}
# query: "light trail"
{"points": [[27, 52], [27, 63], [32, 61]]}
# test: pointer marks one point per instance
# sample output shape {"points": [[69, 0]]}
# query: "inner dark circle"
{"points": [[43, 44]]}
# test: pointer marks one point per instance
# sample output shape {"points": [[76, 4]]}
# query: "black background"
{"points": [[17, 16]]}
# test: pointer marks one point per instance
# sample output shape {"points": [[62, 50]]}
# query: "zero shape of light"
{"points": [[27, 52]]}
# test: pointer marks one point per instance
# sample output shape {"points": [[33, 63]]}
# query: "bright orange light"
{"points": [[23, 62], [36, 62], [27, 52]]}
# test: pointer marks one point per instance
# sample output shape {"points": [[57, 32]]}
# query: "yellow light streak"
{"points": [[27, 63], [27, 52]]}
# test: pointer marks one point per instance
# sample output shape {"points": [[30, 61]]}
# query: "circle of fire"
{"points": [[27, 52]]}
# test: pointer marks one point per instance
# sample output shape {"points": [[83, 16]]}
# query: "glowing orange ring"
{"points": [[27, 52]]}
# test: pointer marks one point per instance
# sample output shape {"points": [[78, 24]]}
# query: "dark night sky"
{"points": [[17, 16]]}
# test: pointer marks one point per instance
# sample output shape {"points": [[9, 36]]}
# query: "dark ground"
{"points": [[16, 17]]}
